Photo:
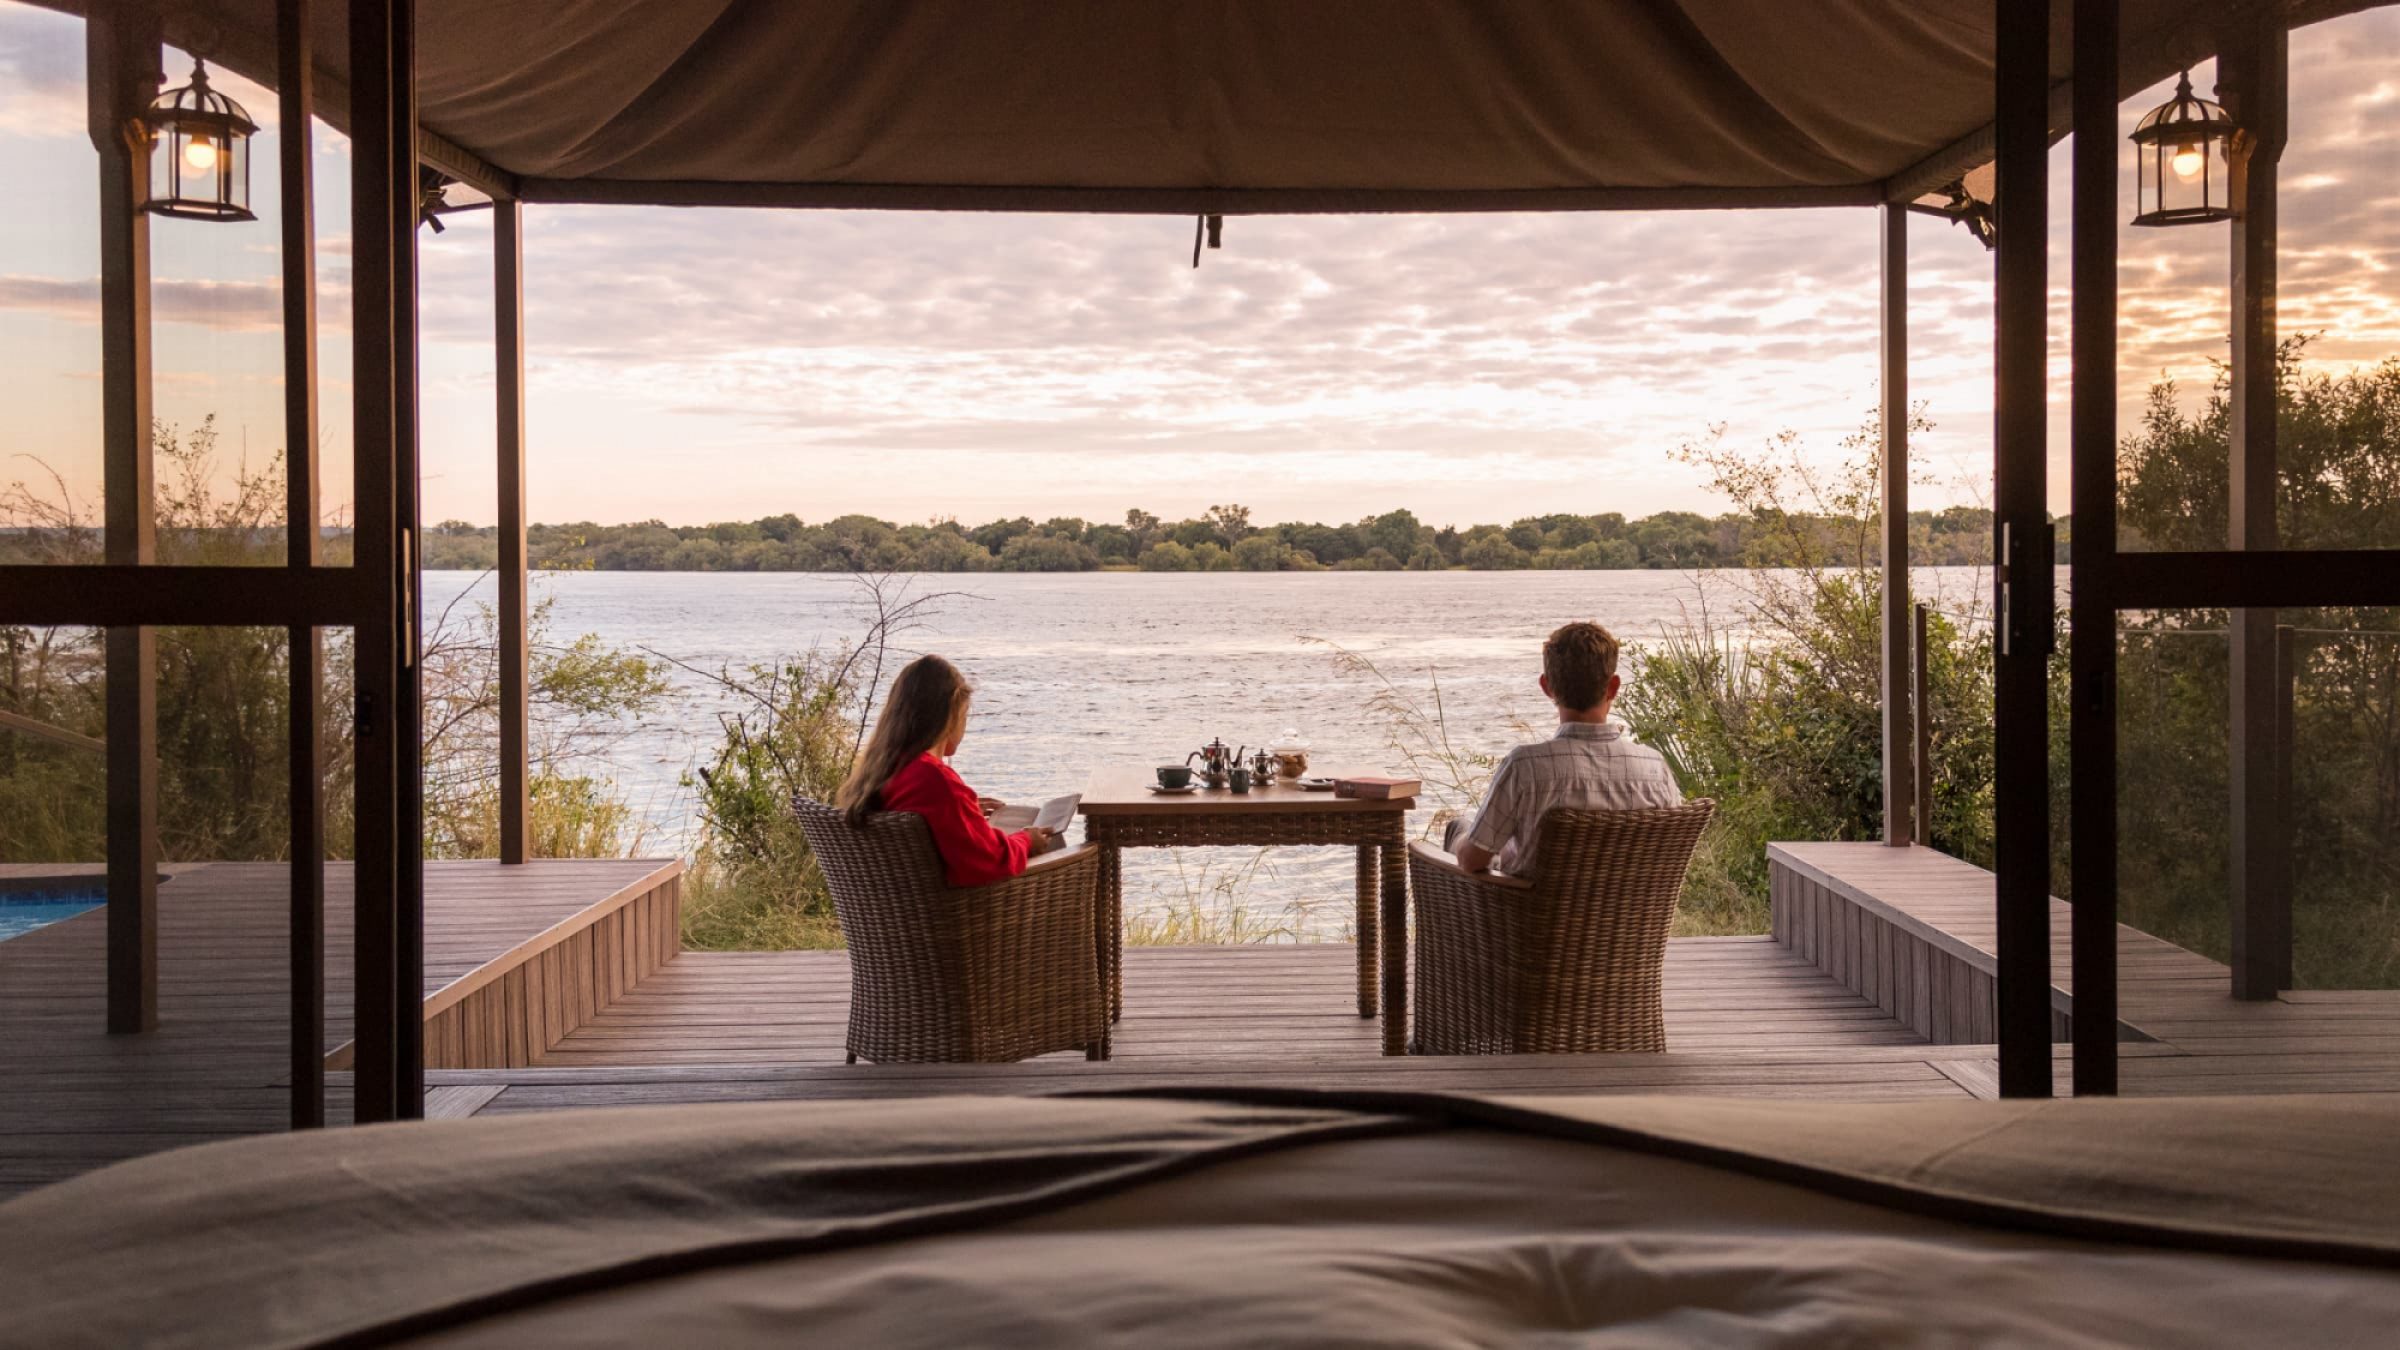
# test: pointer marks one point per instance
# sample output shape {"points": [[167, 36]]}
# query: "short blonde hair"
{"points": [[1580, 660]]}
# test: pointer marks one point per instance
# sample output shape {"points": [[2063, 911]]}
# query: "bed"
{"points": [[1228, 1218]]}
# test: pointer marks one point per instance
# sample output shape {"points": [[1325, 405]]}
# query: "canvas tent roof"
{"points": [[1219, 105]]}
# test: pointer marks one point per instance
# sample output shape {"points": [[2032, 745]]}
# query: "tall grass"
{"points": [[1416, 727], [725, 910], [53, 802], [1209, 906]]}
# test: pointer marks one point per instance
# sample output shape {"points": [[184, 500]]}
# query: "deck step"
{"points": [[1914, 931], [509, 1008]]}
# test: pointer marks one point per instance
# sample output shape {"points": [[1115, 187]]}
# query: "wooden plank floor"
{"points": [[73, 1097], [1744, 1018], [2207, 1041], [1187, 1004]]}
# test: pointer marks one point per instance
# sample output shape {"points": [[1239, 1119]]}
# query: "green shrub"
{"points": [[223, 699], [795, 728], [756, 884], [2338, 459]]}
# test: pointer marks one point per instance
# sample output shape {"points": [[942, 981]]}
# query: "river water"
{"points": [[1074, 670]]}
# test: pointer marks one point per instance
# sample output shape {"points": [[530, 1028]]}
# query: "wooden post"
{"points": [[2092, 713], [408, 711], [1899, 744], [508, 309], [2252, 85], [382, 185], [121, 60], [1922, 700], [2287, 710], [295, 72], [2021, 778]]}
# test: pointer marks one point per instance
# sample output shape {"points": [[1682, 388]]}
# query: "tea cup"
{"points": [[1238, 779], [1174, 775]]}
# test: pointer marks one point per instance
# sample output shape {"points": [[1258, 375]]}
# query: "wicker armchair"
{"points": [[1565, 963], [983, 974]]}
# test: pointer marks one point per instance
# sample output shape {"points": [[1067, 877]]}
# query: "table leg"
{"points": [[1111, 928], [1395, 948], [1366, 929]]}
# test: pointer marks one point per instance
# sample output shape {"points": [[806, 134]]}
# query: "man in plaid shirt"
{"points": [[1592, 764]]}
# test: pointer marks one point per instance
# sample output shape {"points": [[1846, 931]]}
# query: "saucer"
{"points": [[1173, 792], [1315, 784]]}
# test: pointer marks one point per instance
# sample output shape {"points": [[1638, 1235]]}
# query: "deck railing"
{"points": [[43, 731]]}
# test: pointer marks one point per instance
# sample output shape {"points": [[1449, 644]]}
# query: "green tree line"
{"points": [[1221, 539]]}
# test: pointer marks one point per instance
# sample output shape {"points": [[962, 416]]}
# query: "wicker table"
{"points": [[1120, 812]]}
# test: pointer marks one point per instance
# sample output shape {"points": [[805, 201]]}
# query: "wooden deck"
{"points": [[1834, 1007], [1914, 931], [1832, 1016], [1194, 1006], [1744, 1018], [73, 1097]]}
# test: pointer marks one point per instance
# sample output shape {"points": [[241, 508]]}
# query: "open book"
{"points": [[1058, 813], [1055, 815]]}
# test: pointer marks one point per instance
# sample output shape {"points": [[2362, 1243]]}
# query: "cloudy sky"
{"points": [[702, 365]]}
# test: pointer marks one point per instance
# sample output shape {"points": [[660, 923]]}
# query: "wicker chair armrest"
{"points": [[1421, 852], [1049, 907], [1062, 859], [1070, 875]]}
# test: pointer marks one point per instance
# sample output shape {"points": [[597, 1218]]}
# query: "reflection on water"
{"points": [[1074, 670]]}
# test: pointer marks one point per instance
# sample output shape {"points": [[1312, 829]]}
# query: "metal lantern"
{"points": [[2184, 150], [199, 152]]}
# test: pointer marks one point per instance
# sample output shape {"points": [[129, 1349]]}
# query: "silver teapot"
{"points": [[1262, 767], [1215, 759]]}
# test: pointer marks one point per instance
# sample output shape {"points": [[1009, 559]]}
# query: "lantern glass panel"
{"points": [[201, 169], [232, 158], [2186, 177], [200, 153], [2182, 174], [166, 168]]}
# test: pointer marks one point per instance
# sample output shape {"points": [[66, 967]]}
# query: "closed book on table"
{"points": [[1377, 789]]}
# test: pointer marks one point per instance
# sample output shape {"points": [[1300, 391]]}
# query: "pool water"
{"points": [[21, 913]]}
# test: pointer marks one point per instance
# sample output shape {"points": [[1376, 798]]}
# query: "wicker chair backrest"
{"points": [[888, 893], [1634, 858], [892, 851], [1593, 935], [985, 973]]}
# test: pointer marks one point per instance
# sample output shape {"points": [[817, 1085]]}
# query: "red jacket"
{"points": [[973, 852]]}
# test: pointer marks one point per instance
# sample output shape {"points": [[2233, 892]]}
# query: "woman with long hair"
{"points": [[904, 768]]}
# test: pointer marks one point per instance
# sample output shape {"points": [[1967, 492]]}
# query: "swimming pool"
{"points": [[22, 911]]}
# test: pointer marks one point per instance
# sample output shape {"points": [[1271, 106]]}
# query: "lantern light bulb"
{"points": [[2188, 161], [200, 154]]}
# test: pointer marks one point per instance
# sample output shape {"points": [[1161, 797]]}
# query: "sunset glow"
{"points": [[704, 364]]}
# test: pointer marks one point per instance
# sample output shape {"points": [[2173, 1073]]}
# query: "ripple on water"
{"points": [[1079, 669]]}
